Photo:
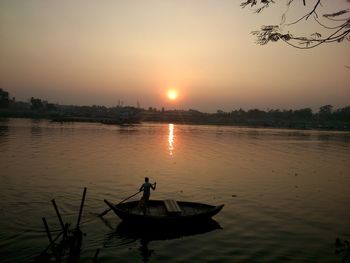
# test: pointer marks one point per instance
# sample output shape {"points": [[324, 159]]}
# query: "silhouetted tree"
{"points": [[275, 114], [326, 110], [36, 104], [342, 114], [303, 114], [336, 24], [255, 113], [325, 113], [152, 109], [4, 99], [51, 107]]}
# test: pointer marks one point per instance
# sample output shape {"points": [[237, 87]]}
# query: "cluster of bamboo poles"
{"points": [[66, 246]]}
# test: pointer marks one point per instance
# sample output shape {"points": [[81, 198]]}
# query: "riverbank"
{"points": [[325, 119], [326, 126]]}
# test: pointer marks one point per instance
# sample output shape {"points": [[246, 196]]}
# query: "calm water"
{"points": [[286, 192]]}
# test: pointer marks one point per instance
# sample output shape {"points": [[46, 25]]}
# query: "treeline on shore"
{"points": [[326, 118]]}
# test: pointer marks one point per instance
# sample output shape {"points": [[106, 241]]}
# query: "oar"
{"points": [[106, 211]]}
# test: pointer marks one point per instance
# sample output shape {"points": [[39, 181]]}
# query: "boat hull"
{"points": [[156, 213]]}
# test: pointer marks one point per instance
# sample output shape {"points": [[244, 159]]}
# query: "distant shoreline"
{"points": [[327, 118], [295, 126]]}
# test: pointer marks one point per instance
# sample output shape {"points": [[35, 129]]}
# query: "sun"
{"points": [[172, 94]]}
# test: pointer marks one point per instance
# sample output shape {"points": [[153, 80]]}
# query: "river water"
{"points": [[286, 192]]}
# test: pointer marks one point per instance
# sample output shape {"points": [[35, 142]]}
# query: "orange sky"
{"points": [[99, 52]]}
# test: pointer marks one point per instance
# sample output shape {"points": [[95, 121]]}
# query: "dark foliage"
{"points": [[336, 25], [4, 99], [326, 118]]}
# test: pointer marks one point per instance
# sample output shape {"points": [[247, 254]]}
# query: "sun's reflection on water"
{"points": [[171, 139]]}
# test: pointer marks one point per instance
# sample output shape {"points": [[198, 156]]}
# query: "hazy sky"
{"points": [[98, 52]]}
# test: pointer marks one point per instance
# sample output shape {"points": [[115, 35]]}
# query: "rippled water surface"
{"points": [[286, 192]]}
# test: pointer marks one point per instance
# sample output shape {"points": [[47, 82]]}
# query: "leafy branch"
{"points": [[273, 33]]}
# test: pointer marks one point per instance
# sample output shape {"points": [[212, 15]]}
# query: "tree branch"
{"points": [[275, 33], [313, 11]]}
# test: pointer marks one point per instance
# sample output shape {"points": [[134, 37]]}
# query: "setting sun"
{"points": [[172, 95]]}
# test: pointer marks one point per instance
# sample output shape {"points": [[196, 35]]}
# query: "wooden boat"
{"points": [[164, 212]]}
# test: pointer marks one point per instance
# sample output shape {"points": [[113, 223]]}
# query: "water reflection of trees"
{"points": [[4, 130], [36, 129]]}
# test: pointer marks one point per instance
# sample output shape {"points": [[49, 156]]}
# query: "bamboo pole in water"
{"points": [[52, 244], [47, 230], [60, 219], [81, 208]]}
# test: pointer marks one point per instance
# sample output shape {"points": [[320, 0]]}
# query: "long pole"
{"points": [[81, 207], [59, 218], [109, 209], [47, 230]]}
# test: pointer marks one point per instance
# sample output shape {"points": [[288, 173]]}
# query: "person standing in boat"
{"points": [[146, 188]]}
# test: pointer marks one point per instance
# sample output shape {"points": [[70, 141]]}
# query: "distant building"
{"points": [[4, 99]]}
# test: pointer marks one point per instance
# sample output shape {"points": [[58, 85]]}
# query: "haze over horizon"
{"points": [[89, 52]]}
